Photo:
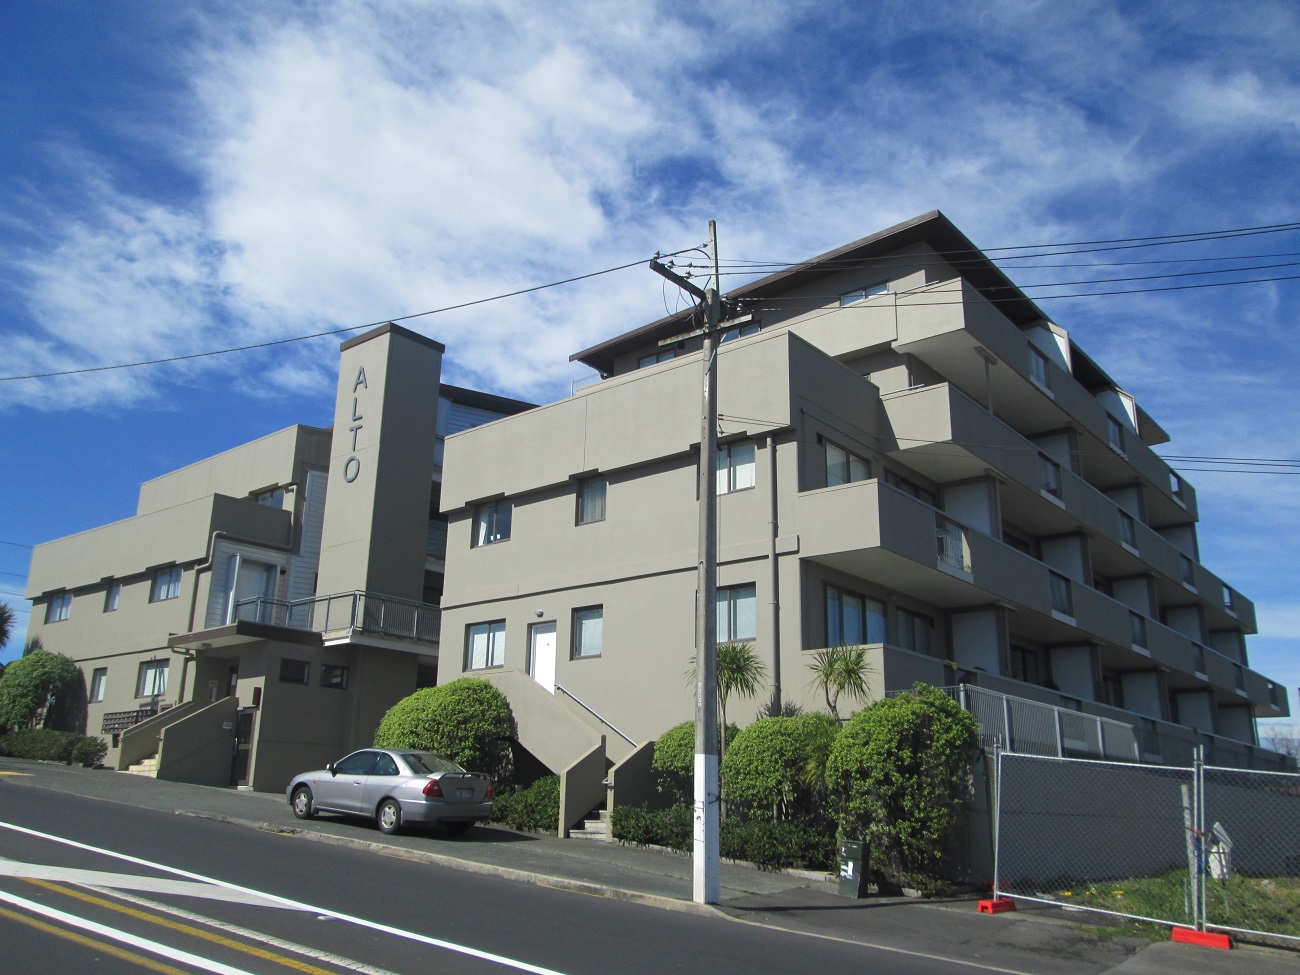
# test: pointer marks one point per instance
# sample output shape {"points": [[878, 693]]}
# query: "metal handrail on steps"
{"points": [[586, 707]]}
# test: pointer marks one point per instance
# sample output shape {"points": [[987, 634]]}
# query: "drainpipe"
{"points": [[774, 575]]}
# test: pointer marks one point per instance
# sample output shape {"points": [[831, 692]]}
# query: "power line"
{"points": [[14, 544]]}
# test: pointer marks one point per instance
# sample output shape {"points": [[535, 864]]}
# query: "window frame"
{"points": [[849, 458], [152, 674], [576, 649], [583, 516], [739, 332], [727, 468], [494, 649], [911, 622], [166, 584], [1049, 485], [729, 605], [655, 358], [98, 682], [113, 596], [867, 604], [481, 522], [334, 676], [59, 608], [1039, 373], [865, 292], [295, 671]]}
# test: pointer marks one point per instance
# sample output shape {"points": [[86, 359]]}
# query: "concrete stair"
{"points": [[147, 767], [593, 829]]}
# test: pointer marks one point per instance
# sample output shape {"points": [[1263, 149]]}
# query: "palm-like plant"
{"points": [[740, 671], [840, 670], [6, 623]]}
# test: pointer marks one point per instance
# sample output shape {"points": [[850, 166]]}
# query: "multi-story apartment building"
{"points": [[912, 457], [264, 607]]}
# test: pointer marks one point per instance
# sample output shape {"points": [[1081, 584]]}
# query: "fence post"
{"points": [[1190, 902], [997, 814], [1006, 720], [1198, 801], [1060, 733]]}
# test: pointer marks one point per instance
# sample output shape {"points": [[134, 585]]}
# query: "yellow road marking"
{"points": [[81, 939], [26, 775], [253, 950]]}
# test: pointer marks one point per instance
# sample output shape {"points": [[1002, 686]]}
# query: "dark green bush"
{"points": [[41, 744], [674, 760], [468, 721], [806, 846], [899, 772], [33, 680], [761, 770], [89, 752], [535, 808], [672, 827]]}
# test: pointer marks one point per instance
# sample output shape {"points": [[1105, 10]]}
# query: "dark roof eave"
{"points": [[933, 228]]}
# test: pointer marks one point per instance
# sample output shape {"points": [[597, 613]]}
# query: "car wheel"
{"points": [[457, 829], [303, 806], [389, 815]]}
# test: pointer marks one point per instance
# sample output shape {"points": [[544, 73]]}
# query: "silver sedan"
{"points": [[395, 788]]}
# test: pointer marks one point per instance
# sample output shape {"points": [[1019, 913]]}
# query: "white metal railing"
{"points": [[363, 611], [594, 713], [953, 545]]}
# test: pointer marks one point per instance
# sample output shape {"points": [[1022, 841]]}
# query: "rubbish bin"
{"points": [[853, 868]]}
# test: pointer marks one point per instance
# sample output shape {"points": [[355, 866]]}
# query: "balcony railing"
{"points": [[118, 721], [365, 612], [954, 548]]}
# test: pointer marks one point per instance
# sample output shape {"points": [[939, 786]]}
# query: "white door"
{"points": [[541, 654]]}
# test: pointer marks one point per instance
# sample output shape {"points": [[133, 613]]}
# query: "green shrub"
{"points": [[674, 760], [672, 827], [89, 752], [899, 772], [40, 744], [806, 846], [534, 808], [468, 721], [32, 682], [761, 770]]}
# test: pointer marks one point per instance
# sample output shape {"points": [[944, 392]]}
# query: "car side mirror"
{"points": [[330, 769]]}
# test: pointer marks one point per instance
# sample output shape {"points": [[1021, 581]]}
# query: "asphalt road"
{"points": [[221, 898]]}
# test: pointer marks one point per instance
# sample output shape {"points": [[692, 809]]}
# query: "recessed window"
{"points": [[1127, 529], [1062, 597], [98, 680], [861, 294], [588, 632], [485, 645], [273, 498], [1049, 476], [1116, 433], [739, 332], [843, 467], [654, 358], [1024, 665], [112, 596], [58, 608], [1175, 485], [737, 613], [735, 467], [1137, 628], [294, 671], [852, 619], [166, 584], [151, 679], [335, 676], [914, 631], [1189, 571], [591, 500], [492, 522], [1038, 368], [910, 487]]}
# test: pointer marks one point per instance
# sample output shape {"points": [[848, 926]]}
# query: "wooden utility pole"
{"points": [[707, 885]]}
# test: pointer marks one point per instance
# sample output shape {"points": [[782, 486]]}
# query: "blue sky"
{"points": [[179, 178]]}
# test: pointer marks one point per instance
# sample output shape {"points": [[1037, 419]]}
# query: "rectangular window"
{"points": [[910, 487], [112, 596], [273, 498], [1038, 368], [332, 675], [491, 523], [58, 608], [1127, 529], [97, 681], [1137, 628], [1062, 598], [1021, 543], [735, 467], [1175, 485], [591, 500], [1228, 599], [914, 631], [166, 584], [1024, 665], [1189, 571], [737, 613], [151, 681], [1049, 476], [843, 467], [739, 332], [294, 671], [862, 294], [485, 645], [1116, 432], [588, 632], [654, 358], [853, 619]]}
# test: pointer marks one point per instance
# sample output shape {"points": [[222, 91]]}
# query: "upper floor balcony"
{"points": [[342, 616]]}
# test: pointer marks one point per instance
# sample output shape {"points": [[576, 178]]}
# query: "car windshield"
{"points": [[429, 763]]}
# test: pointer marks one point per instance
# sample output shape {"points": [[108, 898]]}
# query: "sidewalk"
{"points": [[1033, 940]]}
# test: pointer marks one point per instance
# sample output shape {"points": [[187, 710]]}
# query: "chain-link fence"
{"points": [[1198, 847]]}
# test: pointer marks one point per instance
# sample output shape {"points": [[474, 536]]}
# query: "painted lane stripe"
{"points": [[125, 881], [188, 930], [289, 902], [99, 947], [104, 931]]}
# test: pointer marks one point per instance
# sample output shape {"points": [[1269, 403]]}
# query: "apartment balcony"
{"points": [[348, 613]]}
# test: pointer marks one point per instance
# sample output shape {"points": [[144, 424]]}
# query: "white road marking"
{"points": [[124, 881], [289, 902], [94, 927]]}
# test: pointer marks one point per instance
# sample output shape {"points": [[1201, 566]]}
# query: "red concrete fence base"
{"points": [[997, 905], [1207, 939]]}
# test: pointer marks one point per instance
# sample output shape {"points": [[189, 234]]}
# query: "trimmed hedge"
{"points": [[90, 751], [766, 844], [468, 721], [672, 827], [674, 760], [47, 745], [534, 808]]}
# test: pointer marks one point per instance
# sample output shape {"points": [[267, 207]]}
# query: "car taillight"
{"points": [[488, 794], [432, 789]]}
